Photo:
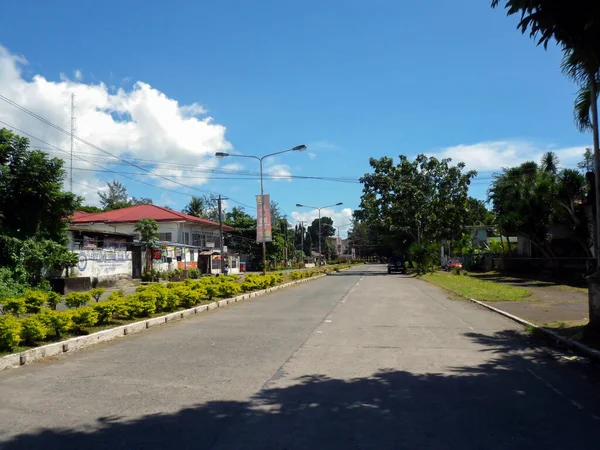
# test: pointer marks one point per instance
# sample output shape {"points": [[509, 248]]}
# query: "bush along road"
{"points": [[33, 320]]}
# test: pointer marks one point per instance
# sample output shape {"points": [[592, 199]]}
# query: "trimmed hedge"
{"points": [[48, 323]]}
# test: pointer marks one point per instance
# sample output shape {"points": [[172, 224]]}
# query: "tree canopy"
{"points": [[424, 199]]}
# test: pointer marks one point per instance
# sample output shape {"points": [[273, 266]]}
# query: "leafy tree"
{"points": [[141, 201], [575, 26], [115, 197], [530, 201], [243, 238], [33, 203], [587, 163], [421, 200], [35, 211], [89, 209], [148, 231]]}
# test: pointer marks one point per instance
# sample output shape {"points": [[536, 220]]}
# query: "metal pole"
{"points": [[320, 258], [262, 207], [72, 137], [221, 233]]}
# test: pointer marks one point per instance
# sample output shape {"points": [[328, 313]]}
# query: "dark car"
{"points": [[396, 265]]}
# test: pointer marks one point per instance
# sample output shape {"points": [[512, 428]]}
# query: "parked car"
{"points": [[453, 263], [396, 265]]}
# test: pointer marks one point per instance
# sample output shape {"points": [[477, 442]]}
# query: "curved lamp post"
{"points": [[319, 209], [298, 148]]}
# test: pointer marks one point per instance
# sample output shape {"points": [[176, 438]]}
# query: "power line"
{"points": [[62, 130]]}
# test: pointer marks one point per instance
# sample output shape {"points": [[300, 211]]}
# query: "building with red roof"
{"points": [[186, 241]]}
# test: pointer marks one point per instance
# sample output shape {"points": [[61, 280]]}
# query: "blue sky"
{"points": [[350, 79]]}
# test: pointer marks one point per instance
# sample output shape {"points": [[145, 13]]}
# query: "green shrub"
{"points": [[116, 295], [14, 306], [10, 332], [105, 311], [34, 300], [77, 299], [229, 289], [187, 297], [172, 301], [53, 300], [136, 307], [457, 270], [96, 293], [212, 291], [194, 274], [151, 275], [59, 322], [84, 317], [121, 310], [171, 285], [33, 330]]}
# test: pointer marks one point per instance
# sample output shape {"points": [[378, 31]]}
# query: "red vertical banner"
{"points": [[268, 237]]}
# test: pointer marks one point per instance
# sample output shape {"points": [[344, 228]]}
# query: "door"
{"points": [[136, 262]]}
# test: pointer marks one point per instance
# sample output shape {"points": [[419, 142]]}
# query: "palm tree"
{"points": [[575, 26], [196, 207], [549, 162]]}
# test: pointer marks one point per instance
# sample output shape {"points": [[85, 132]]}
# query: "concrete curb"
{"points": [[582, 348], [80, 342]]}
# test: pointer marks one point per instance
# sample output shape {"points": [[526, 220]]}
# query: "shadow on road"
{"points": [[501, 404]]}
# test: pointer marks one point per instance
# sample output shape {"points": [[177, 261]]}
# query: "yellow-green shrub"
{"points": [[116, 295], [14, 306], [96, 293], [34, 300], [84, 317], [105, 311], [10, 332], [229, 289], [211, 291], [33, 330], [53, 300], [77, 299], [59, 322]]}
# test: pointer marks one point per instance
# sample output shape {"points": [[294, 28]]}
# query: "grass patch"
{"points": [[470, 287]]}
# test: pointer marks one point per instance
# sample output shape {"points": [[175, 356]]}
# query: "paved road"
{"points": [[358, 360]]}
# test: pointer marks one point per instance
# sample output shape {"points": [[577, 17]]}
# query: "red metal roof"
{"points": [[133, 214], [79, 214]]}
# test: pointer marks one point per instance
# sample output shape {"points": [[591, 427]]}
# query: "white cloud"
{"points": [[312, 155], [494, 155], [141, 122], [341, 218], [281, 171]]}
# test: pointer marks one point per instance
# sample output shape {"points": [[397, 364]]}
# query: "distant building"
{"points": [[185, 241]]}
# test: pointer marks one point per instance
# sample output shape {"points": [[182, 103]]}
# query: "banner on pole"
{"points": [[268, 237]]}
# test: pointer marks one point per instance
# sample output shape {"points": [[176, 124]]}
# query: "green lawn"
{"points": [[470, 287]]}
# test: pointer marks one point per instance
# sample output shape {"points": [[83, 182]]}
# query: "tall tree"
{"points": [[575, 26], [424, 199], [204, 207], [531, 201], [115, 196], [34, 208], [587, 163], [148, 231]]}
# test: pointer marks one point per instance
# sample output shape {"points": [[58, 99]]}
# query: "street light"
{"points": [[319, 209], [298, 148]]}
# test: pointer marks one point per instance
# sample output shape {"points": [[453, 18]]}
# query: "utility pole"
{"points": [[220, 199], [302, 222], [285, 253], [72, 136]]}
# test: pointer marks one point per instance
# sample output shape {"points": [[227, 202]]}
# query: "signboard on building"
{"points": [[268, 237]]}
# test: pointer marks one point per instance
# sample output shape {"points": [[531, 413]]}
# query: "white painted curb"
{"points": [[595, 354], [80, 342]]}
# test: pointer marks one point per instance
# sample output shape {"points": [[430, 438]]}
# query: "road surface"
{"points": [[357, 360]]}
